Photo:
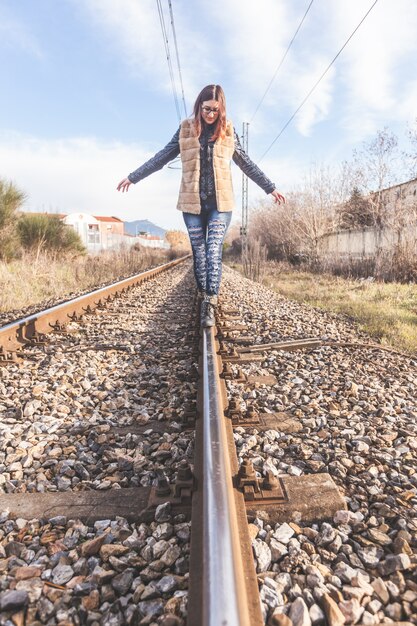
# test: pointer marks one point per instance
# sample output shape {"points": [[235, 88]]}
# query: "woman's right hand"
{"points": [[124, 185]]}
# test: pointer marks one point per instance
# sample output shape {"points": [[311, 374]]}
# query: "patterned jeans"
{"points": [[207, 232]]}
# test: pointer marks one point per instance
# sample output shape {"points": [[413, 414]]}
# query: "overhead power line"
{"points": [[318, 81], [282, 61], [178, 56], [168, 55]]}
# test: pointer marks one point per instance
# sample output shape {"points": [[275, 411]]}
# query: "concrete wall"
{"points": [[152, 242], [366, 242]]}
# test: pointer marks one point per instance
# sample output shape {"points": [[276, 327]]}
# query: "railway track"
{"points": [[102, 474], [32, 328]]}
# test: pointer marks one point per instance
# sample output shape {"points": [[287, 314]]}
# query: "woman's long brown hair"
{"points": [[211, 92]]}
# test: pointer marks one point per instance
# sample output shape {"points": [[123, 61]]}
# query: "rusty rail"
{"points": [[29, 329]]}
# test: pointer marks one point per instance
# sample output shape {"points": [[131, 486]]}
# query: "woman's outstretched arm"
{"points": [[253, 172], [157, 162]]}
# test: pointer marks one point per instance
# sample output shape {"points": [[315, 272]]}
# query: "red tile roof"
{"points": [[105, 218]]}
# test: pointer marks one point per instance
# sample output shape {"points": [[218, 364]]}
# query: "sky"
{"points": [[87, 97]]}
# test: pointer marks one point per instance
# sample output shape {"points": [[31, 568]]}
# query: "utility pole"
{"points": [[245, 207]]}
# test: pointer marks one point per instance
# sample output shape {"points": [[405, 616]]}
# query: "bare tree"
{"points": [[347, 180], [377, 167], [315, 208], [255, 260], [178, 239], [274, 227], [411, 157], [297, 227]]}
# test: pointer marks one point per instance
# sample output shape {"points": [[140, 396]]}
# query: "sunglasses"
{"points": [[208, 110]]}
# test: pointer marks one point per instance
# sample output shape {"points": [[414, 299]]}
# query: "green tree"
{"points": [[39, 233], [356, 212], [11, 199]]}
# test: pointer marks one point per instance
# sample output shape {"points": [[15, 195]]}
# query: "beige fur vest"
{"points": [[189, 198]]}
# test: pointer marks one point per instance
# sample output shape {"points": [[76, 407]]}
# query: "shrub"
{"points": [[11, 199], [48, 233], [254, 260]]}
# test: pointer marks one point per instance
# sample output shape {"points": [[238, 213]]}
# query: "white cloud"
{"points": [[318, 105], [240, 43], [133, 29], [365, 82], [81, 174], [254, 38], [250, 41], [407, 106], [232, 42], [372, 66]]}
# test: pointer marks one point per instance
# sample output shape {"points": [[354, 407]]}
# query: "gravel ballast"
{"points": [[99, 407], [357, 409]]}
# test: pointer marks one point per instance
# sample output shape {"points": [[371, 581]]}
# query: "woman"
{"points": [[206, 142]]}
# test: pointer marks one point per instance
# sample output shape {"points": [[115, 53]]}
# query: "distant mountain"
{"points": [[144, 226]]}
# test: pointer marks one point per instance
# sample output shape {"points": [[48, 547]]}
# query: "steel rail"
{"points": [[25, 330], [223, 585], [224, 592]]}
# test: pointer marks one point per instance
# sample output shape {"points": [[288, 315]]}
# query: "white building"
{"points": [[107, 233], [88, 229]]}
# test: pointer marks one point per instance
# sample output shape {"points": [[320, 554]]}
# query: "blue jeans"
{"points": [[207, 232]]}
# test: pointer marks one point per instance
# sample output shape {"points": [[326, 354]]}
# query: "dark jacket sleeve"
{"points": [[249, 168], [157, 162]]}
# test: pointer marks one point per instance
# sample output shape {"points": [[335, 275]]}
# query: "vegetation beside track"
{"points": [[45, 279], [43, 261], [386, 311]]}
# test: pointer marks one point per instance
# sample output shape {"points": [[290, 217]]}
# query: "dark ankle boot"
{"points": [[208, 309]]}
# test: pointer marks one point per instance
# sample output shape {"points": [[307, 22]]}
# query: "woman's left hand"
{"points": [[124, 185], [279, 198]]}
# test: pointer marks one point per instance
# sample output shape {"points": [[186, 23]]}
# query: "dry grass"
{"points": [[30, 281], [387, 311]]}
